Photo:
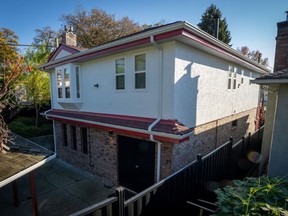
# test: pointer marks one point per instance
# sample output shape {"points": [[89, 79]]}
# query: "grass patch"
{"points": [[25, 127]]}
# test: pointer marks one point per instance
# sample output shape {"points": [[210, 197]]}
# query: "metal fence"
{"points": [[197, 180]]}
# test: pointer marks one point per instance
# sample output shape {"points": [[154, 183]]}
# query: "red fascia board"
{"points": [[120, 47], [217, 48], [102, 52], [122, 131], [168, 34]]}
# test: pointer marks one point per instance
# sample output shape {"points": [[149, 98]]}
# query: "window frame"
{"points": [[84, 141], [137, 72], [120, 74], [232, 78], [64, 135], [73, 132], [72, 91]]}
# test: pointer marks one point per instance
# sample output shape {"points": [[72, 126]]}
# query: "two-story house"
{"points": [[137, 109]]}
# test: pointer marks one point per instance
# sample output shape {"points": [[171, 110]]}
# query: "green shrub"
{"points": [[25, 127], [254, 196]]}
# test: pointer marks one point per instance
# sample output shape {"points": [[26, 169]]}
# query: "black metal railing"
{"points": [[195, 181]]}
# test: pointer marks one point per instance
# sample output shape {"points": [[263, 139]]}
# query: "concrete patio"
{"points": [[61, 190]]}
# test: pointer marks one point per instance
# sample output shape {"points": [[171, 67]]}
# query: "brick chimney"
{"points": [[68, 37], [281, 53]]}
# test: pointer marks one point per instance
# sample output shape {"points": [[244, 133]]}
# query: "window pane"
{"points": [[140, 62], [120, 82], [229, 83], [60, 95], [67, 83], [84, 140], [234, 84], [120, 66], [59, 83], [140, 80], [64, 135], [77, 82], [73, 137]]}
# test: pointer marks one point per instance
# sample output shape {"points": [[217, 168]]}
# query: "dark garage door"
{"points": [[136, 163]]}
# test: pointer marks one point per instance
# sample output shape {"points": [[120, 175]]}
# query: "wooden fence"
{"points": [[197, 180]]}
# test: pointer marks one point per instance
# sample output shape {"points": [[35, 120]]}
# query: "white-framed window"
{"points": [[140, 71], [120, 73], [68, 82], [63, 82], [242, 77], [78, 82], [232, 78], [59, 83]]}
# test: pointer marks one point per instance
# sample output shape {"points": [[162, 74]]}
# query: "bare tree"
{"points": [[45, 36], [254, 55], [10, 71]]}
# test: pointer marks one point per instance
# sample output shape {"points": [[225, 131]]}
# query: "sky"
{"points": [[252, 23]]}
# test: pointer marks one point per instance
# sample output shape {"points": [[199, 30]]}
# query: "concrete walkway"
{"points": [[61, 190]]}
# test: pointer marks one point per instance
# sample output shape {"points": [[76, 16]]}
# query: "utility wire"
{"points": [[27, 45]]}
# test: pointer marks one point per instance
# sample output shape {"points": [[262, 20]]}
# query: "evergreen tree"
{"points": [[207, 23]]}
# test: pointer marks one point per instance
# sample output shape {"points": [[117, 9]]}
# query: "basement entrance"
{"points": [[136, 163]]}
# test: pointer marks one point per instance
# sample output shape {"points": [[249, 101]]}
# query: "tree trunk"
{"points": [[37, 116]]}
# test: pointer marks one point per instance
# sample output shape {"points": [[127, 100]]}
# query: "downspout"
{"points": [[153, 42]]}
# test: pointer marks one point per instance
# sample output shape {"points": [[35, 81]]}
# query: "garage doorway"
{"points": [[136, 163]]}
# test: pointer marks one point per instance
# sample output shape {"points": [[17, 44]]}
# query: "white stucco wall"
{"points": [[194, 89], [201, 94], [131, 101]]}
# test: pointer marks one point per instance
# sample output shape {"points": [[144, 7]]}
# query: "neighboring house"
{"points": [[137, 109], [274, 147]]}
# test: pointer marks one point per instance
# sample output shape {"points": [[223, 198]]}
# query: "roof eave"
{"points": [[269, 81], [175, 26], [176, 138]]}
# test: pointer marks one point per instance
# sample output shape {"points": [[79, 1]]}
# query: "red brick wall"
{"points": [[102, 159], [209, 136]]}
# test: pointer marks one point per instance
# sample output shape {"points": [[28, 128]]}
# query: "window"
{"points": [[68, 82], [120, 73], [59, 83], [140, 71], [73, 137], [84, 141], [77, 69], [64, 135], [232, 78], [242, 77]]}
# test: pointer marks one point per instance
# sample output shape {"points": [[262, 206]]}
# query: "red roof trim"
{"points": [[165, 130], [103, 52]]}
